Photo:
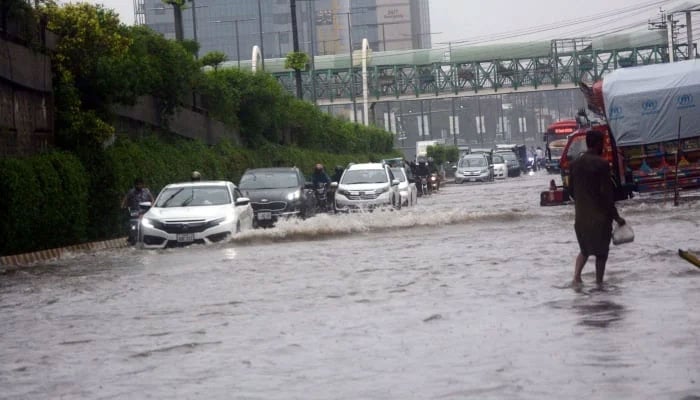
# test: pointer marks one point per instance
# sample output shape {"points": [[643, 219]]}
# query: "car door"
{"points": [[244, 212], [307, 194]]}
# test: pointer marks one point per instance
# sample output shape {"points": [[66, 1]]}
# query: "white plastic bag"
{"points": [[622, 234]]}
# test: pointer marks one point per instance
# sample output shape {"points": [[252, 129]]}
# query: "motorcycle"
{"points": [[423, 186], [135, 215], [322, 197], [434, 182]]}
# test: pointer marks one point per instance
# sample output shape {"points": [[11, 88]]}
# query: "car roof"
{"points": [[475, 155], [273, 169], [367, 166], [199, 183]]}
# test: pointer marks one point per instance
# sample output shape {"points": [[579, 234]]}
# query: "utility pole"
{"points": [[295, 44]]}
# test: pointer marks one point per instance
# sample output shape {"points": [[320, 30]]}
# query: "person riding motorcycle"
{"points": [[319, 176], [338, 173], [134, 197], [138, 194], [422, 171]]}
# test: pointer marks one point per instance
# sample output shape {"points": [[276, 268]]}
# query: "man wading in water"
{"points": [[593, 192]]}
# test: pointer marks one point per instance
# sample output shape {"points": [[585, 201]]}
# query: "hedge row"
{"points": [[59, 199]]}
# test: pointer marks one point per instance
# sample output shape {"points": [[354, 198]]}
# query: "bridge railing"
{"points": [[400, 81]]}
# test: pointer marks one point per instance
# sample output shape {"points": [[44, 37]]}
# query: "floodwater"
{"points": [[466, 295]]}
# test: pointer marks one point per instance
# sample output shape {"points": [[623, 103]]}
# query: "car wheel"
{"points": [[238, 227]]}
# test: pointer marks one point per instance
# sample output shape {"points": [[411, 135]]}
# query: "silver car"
{"points": [[473, 168], [367, 186], [408, 190]]}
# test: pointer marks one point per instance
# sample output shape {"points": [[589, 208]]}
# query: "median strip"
{"points": [[26, 259]]}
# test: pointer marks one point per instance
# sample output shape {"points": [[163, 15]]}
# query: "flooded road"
{"points": [[464, 296]]}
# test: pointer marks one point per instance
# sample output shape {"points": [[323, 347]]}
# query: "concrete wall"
{"points": [[186, 122], [26, 102]]}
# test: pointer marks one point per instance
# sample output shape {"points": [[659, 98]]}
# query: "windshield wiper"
{"points": [[165, 203]]}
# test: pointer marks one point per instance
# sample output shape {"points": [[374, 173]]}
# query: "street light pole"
{"points": [[238, 46], [352, 72], [262, 39], [295, 44], [194, 28]]}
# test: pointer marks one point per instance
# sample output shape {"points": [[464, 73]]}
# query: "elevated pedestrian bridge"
{"points": [[458, 70]]}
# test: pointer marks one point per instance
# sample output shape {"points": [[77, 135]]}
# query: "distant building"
{"points": [[387, 24]]}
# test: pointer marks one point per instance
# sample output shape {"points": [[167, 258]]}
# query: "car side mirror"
{"points": [[145, 205], [242, 201], [395, 182], [334, 185]]}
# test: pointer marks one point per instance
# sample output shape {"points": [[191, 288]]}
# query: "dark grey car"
{"points": [[276, 193]]}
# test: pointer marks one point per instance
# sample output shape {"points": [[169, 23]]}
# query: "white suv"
{"points": [[370, 185]]}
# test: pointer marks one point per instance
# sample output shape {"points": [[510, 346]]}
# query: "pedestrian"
{"points": [[592, 189]]}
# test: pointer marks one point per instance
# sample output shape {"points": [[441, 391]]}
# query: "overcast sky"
{"points": [[454, 20]]}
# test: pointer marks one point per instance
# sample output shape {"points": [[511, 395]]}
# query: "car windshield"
{"points": [[473, 162], [498, 160], [268, 180], [398, 174], [356, 176], [509, 156], [193, 196]]}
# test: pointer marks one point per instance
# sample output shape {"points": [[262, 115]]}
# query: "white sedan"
{"points": [[195, 212], [500, 167], [408, 190]]}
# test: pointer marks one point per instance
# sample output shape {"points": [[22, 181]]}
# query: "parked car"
{"points": [[474, 167], [512, 162], [407, 188], [367, 186], [195, 212], [276, 193], [500, 169]]}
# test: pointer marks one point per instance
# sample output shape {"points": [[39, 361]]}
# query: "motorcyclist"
{"points": [[138, 194], [422, 171], [338, 173], [319, 176]]}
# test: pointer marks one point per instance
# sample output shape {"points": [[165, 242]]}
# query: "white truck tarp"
{"points": [[643, 104]]}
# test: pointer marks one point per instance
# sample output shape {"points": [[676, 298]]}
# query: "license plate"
{"points": [[472, 179], [185, 237], [265, 215]]}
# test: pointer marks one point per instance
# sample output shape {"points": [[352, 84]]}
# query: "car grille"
{"points": [[192, 226], [363, 196], [271, 206]]}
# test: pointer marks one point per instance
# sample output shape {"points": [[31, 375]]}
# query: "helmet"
{"points": [[196, 175]]}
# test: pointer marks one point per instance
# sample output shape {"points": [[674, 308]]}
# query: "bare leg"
{"points": [[580, 262], [600, 268]]}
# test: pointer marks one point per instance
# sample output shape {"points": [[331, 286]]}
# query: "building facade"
{"points": [[324, 26]]}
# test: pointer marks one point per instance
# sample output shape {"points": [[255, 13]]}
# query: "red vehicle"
{"points": [[651, 127], [555, 139]]}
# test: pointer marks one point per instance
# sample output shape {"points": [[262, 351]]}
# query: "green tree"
{"points": [[213, 59], [91, 41]]}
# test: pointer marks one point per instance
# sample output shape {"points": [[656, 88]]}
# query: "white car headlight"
{"points": [[294, 195], [148, 223]]}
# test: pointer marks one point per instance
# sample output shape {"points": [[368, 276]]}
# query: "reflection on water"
{"points": [[459, 297], [598, 313]]}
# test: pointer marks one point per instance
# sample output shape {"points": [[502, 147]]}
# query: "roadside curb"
{"points": [[25, 259]]}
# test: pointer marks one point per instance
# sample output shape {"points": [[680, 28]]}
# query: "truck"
{"points": [[651, 126], [555, 138], [422, 147]]}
